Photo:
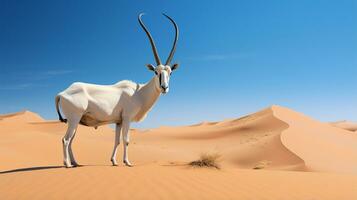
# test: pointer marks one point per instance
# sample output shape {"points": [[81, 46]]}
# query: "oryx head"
{"points": [[162, 71]]}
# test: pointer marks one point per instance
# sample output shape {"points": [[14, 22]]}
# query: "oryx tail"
{"points": [[58, 111]]}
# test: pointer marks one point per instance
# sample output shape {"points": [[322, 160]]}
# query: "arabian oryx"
{"points": [[124, 102]]}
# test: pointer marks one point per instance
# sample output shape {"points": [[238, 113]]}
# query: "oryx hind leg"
{"points": [[73, 108], [71, 156], [71, 130]]}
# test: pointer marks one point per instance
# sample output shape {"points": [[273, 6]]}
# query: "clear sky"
{"points": [[236, 57]]}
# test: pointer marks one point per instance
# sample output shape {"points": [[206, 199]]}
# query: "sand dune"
{"points": [[299, 158], [347, 125], [322, 147], [23, 116]]}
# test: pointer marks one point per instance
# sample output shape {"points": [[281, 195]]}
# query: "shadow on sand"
{"points": [[30, 169]]}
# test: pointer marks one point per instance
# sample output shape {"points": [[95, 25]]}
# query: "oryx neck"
{"points": [[149, 93]]}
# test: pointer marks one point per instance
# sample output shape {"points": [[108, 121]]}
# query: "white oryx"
{"points": [[122, 103]]}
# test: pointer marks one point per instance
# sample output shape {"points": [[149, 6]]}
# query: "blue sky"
{"points": [[236, 57]]}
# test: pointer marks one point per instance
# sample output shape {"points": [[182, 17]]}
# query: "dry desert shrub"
{"points": [[209, 160], [262, 164]]}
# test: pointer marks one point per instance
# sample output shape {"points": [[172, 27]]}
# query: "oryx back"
{"points": [[96, 104]]}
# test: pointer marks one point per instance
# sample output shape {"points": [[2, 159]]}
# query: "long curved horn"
{"points": [[154, 50], [171, 55]]}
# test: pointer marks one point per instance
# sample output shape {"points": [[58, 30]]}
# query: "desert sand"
{"points": [[347, 125], [276, 153]]}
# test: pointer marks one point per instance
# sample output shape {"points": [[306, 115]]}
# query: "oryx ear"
{"points": [[150, 67], [174, 66]]}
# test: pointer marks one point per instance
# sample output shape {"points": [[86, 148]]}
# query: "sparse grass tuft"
{"points": [[262, 164], [207, 160]]}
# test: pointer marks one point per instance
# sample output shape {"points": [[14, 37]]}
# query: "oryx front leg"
{"points": [[71, 130], [116, 144], [125, 127]]}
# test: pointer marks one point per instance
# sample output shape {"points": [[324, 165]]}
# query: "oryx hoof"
{"points": [[114, 162], [127, 163], [69, 166]]}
